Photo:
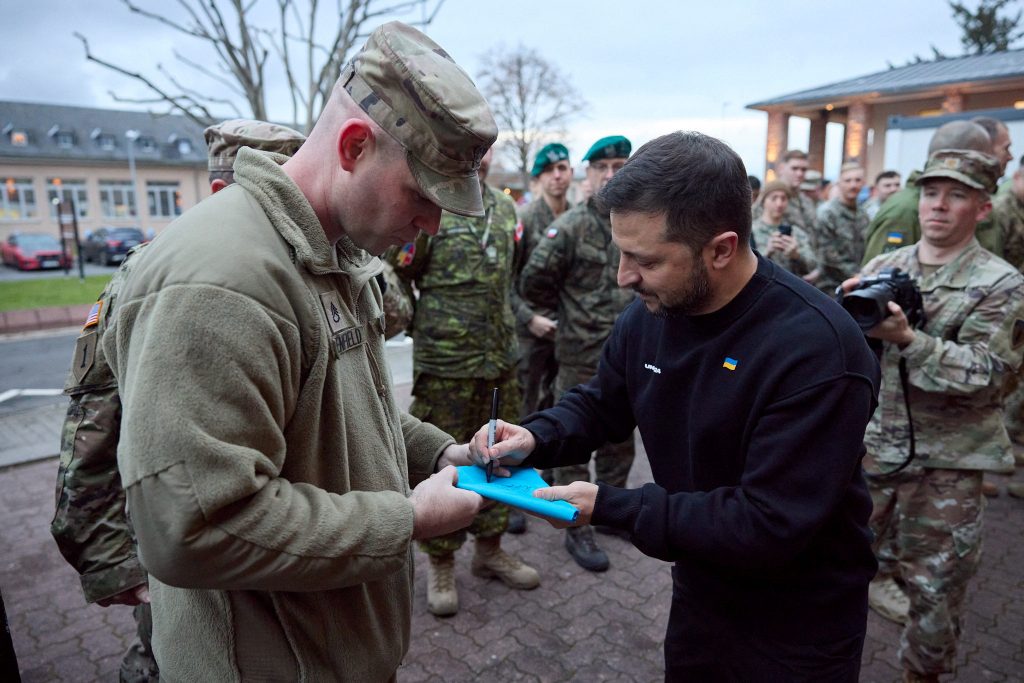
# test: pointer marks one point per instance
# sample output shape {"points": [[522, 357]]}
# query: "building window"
{"points": [[19, 138], [65, 139], [146, 144], [184, 147], [19, 200], [117, 199], [164, 199], [106, 142], [67, 190]]}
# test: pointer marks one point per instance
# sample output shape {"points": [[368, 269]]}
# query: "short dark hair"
{"points": [[886, 174], [755, 183], [697, 181], [791, 154]]}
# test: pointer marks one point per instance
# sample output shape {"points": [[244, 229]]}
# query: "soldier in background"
{"points": [[973, 338], [787, 245], [887, 183], [90, 526], [792, 169], [573, 270], [465, 346], [841, 227]]}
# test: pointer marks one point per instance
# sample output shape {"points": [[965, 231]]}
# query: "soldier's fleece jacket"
{"points": [[265, 462]]}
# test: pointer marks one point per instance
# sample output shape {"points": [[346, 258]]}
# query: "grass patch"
{"points": [[59, 291]]}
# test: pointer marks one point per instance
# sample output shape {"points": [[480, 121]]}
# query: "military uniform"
{"points": [[840, 243], [897, 225], [90, 524], [801, 212], [574, 268], [805, 260], [537, 366], [464, 333], [972, 340]]}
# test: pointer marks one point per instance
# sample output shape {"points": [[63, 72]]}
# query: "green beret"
{"points": [[973, 169], [551, 153], [611, 147]]}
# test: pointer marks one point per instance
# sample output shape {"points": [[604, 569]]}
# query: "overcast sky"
{"points": [[645, 67]]}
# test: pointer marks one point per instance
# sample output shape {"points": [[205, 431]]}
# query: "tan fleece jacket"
{"points": [[266, 464]]}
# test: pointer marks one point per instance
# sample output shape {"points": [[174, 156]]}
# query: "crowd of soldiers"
{"points": [[524, 303]]}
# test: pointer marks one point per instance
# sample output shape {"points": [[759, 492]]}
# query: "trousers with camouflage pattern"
{"points": [[460, 406], [935, 516]]}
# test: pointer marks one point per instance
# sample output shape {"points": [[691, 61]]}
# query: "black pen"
{"points": [[491, 426]]}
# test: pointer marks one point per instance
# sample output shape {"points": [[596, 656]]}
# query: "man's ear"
{"points": [[354, 140], [217, 185], [722, 249]]}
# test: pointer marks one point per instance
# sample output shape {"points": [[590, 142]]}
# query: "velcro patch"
{"points": [[94, 315], [85, 354]]}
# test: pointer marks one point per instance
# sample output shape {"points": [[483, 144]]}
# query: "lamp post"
{"points": [[133, 135]]}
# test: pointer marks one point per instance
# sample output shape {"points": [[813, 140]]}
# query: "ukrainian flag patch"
{"points": [[730, 363], [894, 238]]}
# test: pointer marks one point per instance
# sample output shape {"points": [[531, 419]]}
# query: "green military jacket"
{"points": [[897, 225], [1008, 214], [535, 220], [840, 243], [90, 524], [805, 260], [574, 270], [463, 325], [972, 340]]}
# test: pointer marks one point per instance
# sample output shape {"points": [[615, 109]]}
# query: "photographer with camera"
{"points": [[934, 434], [787, 245]]}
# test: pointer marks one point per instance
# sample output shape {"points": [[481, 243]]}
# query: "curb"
{"points": [[33, 319]]}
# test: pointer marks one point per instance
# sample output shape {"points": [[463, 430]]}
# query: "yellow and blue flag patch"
{"points": [[730, 363], [894, 238]]}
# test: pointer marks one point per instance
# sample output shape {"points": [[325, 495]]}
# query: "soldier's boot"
{"points": [[442, 596], [914, 677], [516, 522], [491, 562], [887, 599], [1015, 489], [138, 666], [582, 545]]}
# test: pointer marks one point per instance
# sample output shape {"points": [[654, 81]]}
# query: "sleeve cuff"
{"points": [[616, 507], [108, 582], [919, 349]]}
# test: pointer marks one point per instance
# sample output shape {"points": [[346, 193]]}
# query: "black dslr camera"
{"points": [[868, 302]]}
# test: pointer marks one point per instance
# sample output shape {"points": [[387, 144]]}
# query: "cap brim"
{"points": [[461, 194], [952, 175]]}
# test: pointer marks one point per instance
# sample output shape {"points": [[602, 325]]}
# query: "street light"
{"points": [[133, 135]]}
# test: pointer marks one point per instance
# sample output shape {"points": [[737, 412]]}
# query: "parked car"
{"points": [[109, 245], [33, 251]]}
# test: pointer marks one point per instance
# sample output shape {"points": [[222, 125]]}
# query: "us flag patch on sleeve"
{"points": [[94, 315]]}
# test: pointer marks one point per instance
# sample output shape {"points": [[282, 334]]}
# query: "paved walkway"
{"points": [[576, 627]]}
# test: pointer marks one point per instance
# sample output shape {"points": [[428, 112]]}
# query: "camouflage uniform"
{"points": [[897, 225], [800, 212], [537, 367], [1008, 213], [805, 260], [840, 243], [90, 525], [464, 333], [574, 269], [973, 339]]}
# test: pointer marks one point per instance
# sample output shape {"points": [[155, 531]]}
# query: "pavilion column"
{"points": [[953, 103], [778, 138], [816, 143], [855, 142]]}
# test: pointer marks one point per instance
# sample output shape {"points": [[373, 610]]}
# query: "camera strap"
{"points": [[905, 386]]}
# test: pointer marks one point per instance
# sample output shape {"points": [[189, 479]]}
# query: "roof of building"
{"points": [[913, 77], [48, 132]]}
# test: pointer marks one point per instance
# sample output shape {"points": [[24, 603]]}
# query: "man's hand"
{"points": [[512, 444], [785, 244], [133, 596], [541, 327], [439, 508], [849, 284], [581, 494], [896, 328]]}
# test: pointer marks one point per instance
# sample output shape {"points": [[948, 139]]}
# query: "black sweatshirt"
{"points": [[753, 420]]}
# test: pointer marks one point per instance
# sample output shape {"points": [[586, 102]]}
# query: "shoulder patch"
{"points": [[551, 233], [519, 231], [94, 315], [406, 254], [1018, 333]]}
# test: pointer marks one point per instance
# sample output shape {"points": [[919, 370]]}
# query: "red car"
{"points": [[33, 251]]}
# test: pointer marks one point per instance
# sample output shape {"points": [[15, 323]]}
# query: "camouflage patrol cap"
{"points": [[416, 92], [551, 153], [611, 147], [225, 139], [812, 180], [973, 169], [776, 186]]}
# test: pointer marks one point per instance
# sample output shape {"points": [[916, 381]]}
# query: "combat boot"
{"points": [[887, 599], [491, 562], [1015, 489], [580, 543], [442, 597]]}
